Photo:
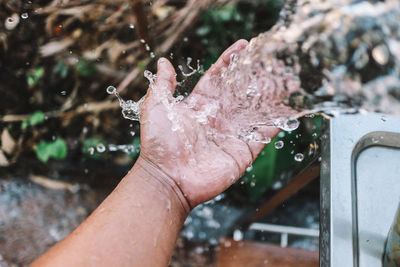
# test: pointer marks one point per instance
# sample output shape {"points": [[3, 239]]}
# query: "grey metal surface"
{"points": [[360, 189]]}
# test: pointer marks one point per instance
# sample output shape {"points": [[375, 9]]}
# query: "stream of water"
{"points": [[322, 56]]}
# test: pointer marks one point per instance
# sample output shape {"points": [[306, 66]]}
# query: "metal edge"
{"points": [[325, 199]]}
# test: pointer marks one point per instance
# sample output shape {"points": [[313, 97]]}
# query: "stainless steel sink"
{"points": [[360, 189]]}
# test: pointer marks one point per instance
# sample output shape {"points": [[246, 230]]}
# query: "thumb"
{"points": [[166, 76]]}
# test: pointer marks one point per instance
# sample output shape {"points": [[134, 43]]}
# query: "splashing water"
{"points": [[337, 55], [127, 149], [333, 57], [130, 108], [192, 70]]}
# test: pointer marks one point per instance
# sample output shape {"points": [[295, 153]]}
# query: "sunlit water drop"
{"points": [[101, 148], [279, 144], [249, 169], [299, 157]]}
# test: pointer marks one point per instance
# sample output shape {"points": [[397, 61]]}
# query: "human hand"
{"points": [[191, 142]]}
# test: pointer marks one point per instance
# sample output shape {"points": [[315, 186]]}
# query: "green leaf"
{"points": [[24, 124], [56, 150], [227, 12], [36, 118], [86, 68], [34, 76], [89, 148], [61, 69], [203, 31]]}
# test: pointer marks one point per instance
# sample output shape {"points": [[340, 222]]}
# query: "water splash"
{"points": [[126, 148], [130, 108], [331, 57], [192, 70]]}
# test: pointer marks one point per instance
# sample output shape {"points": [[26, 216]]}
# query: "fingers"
{"points": [[204, 86], [224, 60], [166, 76]]}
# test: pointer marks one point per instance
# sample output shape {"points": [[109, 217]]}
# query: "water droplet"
{"points": [[199, 250], [112, 148], [100, 148], [11, 22], [299, 157], [381, 54], [91, 150], [132, 133], [265, 140], [287, 125], [111, 90], [248, 169], [279, 144], [277, 185], [24, 15], [152, 55], [237, 235]]}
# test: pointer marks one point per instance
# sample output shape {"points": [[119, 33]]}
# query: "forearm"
{"points": [[137, 225]]}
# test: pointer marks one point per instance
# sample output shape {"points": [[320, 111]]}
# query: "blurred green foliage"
{"points": [[221, 27], [86, 68], [61, 69], [33, 76], [56, 149], [34, 119]]}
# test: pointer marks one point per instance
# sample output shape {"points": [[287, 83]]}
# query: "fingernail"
{"points": [[161, 61]]}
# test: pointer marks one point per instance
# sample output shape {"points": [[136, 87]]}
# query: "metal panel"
{"points": [[360, 189]]}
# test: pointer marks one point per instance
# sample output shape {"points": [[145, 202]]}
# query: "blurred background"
{"points": [[65, 145]]}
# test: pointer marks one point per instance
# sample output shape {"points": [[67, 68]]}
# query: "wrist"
{"points": [[160, 181]]}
